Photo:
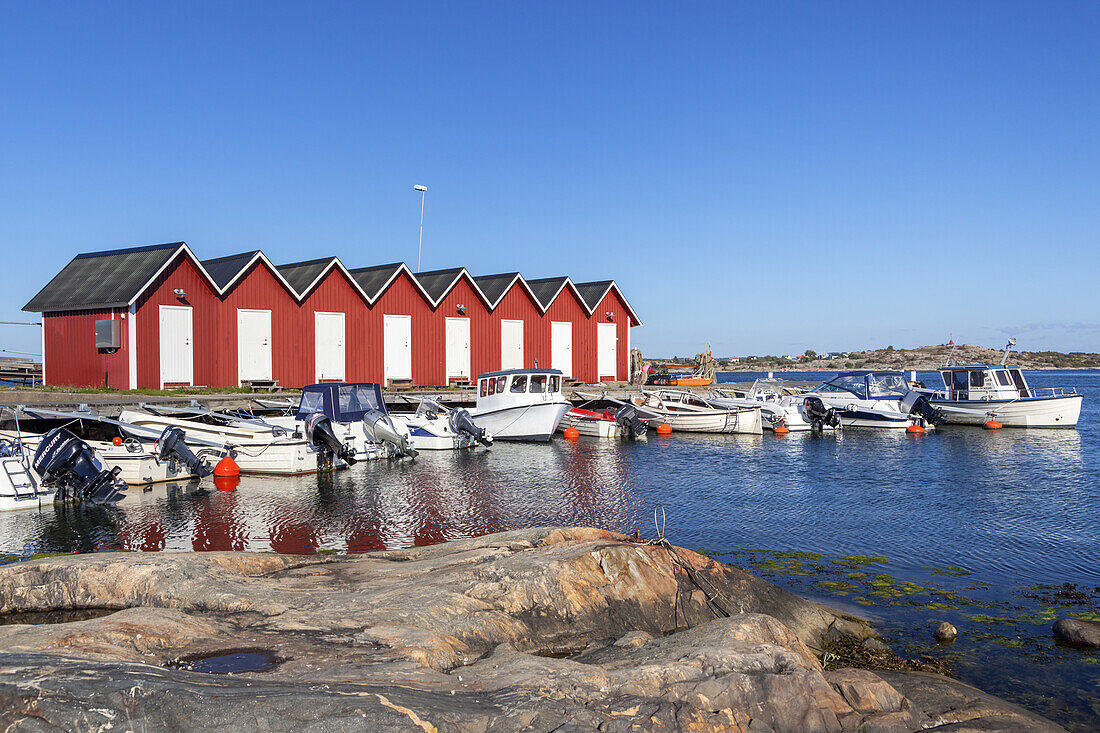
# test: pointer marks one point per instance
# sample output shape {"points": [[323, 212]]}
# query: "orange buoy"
{"points": [[571, 433], [915, 429], [227, 467], [993, 425], [781, 430], [116, 440], [226, 483], [664, 429]]}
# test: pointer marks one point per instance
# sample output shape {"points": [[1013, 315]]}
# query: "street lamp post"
{"points": [[420, 245]]}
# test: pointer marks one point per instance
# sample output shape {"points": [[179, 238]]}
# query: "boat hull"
{"points": [[1035, 412], [593, 427], [535, 421], [20, 487], [731, 421]]}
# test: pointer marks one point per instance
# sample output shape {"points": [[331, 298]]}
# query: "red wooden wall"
{"points": [[70, 353]]}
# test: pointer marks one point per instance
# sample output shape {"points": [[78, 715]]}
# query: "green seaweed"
{"points": [[858, 561]]}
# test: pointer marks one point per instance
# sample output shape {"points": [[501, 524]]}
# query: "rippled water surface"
{"points": [[1008, 510]]}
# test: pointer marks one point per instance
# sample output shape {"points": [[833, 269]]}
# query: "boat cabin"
{"points": [[866, 384], [518, 385], [340, 401], [984, 382]]}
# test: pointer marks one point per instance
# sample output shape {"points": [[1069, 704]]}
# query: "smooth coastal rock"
{"points": [[541, 629], [1077, 632]]}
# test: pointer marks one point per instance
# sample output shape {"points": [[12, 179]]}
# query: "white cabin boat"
{"points": [[876, 399], [689, 412], [974, 394], [520, 404]]}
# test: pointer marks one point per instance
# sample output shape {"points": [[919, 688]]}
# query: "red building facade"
{"points": [[240, 319]]}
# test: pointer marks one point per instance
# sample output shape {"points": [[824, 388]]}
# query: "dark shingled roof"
{"points": [[301, 274], [436, 282], [224, 269], [494, 286], [546, 288], [593, 292], [372, 279], [108, 279]]}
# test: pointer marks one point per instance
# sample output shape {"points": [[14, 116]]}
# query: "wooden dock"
{"points": [[20, 371]]}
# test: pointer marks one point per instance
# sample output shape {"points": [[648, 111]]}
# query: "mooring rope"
{"points": [[715, 601]]}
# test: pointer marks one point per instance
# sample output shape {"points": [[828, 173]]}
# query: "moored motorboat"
{"points": [[868, 398], [624, 422], [688, 412], [520, 404], [976, 394], [779, 408]]}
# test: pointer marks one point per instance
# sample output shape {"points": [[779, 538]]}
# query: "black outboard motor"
{"points": [[918, 404], [322, 437], [629, 422], [67, 463], [462, 422], [818, 415], [172, 448]]}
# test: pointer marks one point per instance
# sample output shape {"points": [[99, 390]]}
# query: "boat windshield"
{"points": [[846, 383], [341, 402], [887, 385]]}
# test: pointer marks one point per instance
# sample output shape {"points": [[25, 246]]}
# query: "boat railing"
{"points": [[1053, 391]]}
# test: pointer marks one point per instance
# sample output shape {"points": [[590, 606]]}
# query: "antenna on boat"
{"points": [[1008, 348]]}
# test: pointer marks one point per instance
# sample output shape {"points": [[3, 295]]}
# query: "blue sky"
{"points": [[767, 177]]}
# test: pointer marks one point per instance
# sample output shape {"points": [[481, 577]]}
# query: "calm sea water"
{"points": [[961, 524]]}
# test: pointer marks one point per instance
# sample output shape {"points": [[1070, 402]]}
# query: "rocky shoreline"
{"points": [[539, 629]]}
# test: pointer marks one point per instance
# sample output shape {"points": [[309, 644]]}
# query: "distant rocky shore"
{"points": [[542, 629], [923, 358]]}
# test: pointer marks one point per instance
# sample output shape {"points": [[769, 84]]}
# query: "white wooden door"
{"points": [[458, 348], [397, 346], [328, 346], [253, 344], [177, 365], [561, 347], [511, 344], [606, 350]]}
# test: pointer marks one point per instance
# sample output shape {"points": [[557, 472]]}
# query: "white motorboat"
{"points": [[137, 463], [688, 412], [520, 404], [434, 426], [974, 394], [62, 468], [779, 407], [876, 399], [256, 450], [623, 423]]}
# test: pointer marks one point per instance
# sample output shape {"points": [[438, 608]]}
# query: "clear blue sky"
{"points": [[768, 177]]}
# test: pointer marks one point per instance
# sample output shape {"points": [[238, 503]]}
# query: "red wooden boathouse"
{"points": [[151, 317]]}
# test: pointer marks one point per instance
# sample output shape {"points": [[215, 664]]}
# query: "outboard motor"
{"points": [[323, 438], [463, 423], [818, 415], [381, 430], [917, 404], [629, 421], [67, 463], [172, 447]]}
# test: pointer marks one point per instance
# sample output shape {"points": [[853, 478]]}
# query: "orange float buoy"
{"points": [[781, 430], [915, 430], [116, 440], [664, 429], [571, 433], [993, 425], [227, 467], [226, 483]]}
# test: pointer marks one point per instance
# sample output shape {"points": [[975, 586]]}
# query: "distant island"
{"points": [[922, 358]]}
